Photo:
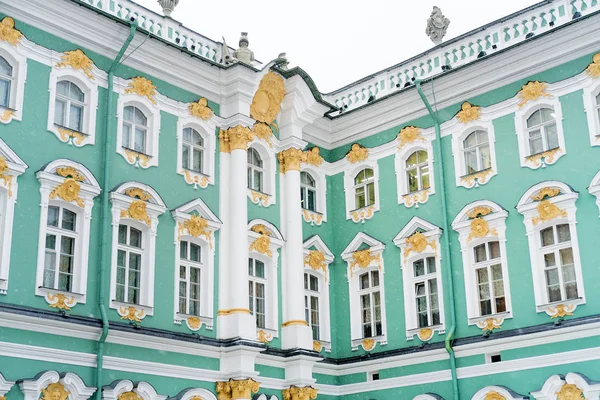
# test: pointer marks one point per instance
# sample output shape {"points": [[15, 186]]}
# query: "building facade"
{"points": [[154, 243]]}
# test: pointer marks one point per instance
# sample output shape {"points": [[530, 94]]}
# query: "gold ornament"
{"points": [[236, 138], [6, 115], [128, 396], [299, 393], [532, 91], [409, 134], [263, 336], [67, 134], [468, 113], [294, 322], [476, 178], [8, 33], [368, 344], [491, 395], [77, 59], [262, 243], [593, 69], [479, 211], [542, 193], [196, 398], [480, 228], [317, 346], [60, 301], [200, 109], [316, 260], [195, 180], [7, 179], [131, 313], [362, 259], [138, 193], [263, 132], [68, 191], [196, 226], [260, 198], [55, 391], [547, 156], [417, 242], [135, 157], [233, 311], [312, 217], [357, 154], [137, 211], [362, 214], [194, 323], [290, 159], [419, 197], [561, 311], [70, 172], [425, 334], [267, 99], [236, 389], [548, 211], [313, 157], [490, 324], [224, 142], [569, 391], [142, 87]]}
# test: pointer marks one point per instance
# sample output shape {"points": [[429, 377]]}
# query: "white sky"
{"points": [[335, 42]]}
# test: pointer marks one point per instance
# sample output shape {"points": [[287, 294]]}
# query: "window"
{"points": [[490, 286], [61, 234], [477, 152], [256, 291], [541, 131], [417, 171], [308, 192], [559, 267], [426, 292], [129, 264], [364, 188], [190, 272], [6, 79], [255, 170], [193, 150], [311, 304], [598, 108], [135, 129], [370, 304], [69, 106]]}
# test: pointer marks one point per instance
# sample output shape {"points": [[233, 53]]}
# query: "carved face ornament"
{"points": [[479, 227], [55, 391], [570, 392], [71, 190], [362, 258]]}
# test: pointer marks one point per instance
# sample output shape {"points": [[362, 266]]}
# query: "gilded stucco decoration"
{"points": [[263, 200], [262, 243], [6, 115], [70, 172], [294, 322], [55, 391], [316, 260], [137, 211], [425, 334], [368, 344], [196, 226], [570, 391], [196, 398], [138, 193], [415, 198], [363, 259], [8, 33], [68, 191], [357, 154], [362, 214], [479, 211], [133, 157], [418, 242], [548, 211], [312, 157], [128, 396], [545, 192], [491, 395], [142, 87], [193, 323], [67, 135], [195, 180], [543, 158], [60, 301], [532, 91], [311, 217], [290, 159], [468, 113], [480, 229], [263, 132], [561, 311], [267, 99], [477, 178], [7, 179], [242, 389], [234, 311], [317, 346], [593, 69], [224, 141], [299, 393], [263, 336], [200, 109], [236, 138], [409, 134], [77, 59], [131, 314], [490, 324]]}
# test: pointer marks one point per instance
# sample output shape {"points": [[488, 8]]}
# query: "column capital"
{"points": [[235, 138], [237, 389], [290, 159], [299, 393]]}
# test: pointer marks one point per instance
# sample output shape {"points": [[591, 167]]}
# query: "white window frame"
{"points": [[89, 189], [320, 215], [353, 273], [521, 116], [594, 188], [432, 235], [8, 189], [206, 129], [143, 390], [206, 241], [553, 385], [367, 212], [189, 394], [400, 158], [271, 275], [459, 134], [18, 61], [152, 113], [90, 91], [315, 243], [496, 221], [505, 392], [528, 208], [72, 383], [154, 207], [268, 196], [591, 89]]}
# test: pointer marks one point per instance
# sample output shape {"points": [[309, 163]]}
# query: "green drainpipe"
{"points": [[439, 173], [105, 222]]}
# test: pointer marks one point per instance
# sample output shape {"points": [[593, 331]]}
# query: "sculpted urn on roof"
{"points": [[437, 25]]}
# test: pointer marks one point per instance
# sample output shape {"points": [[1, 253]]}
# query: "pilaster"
{"points": [[299, 393]]}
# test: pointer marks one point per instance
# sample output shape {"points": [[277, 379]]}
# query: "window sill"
{"points": [[136, 152], [369, 343], [560, 309], [319, 345], [130, 311], [362, 214], [195, 178], [265, 335], [426, 333], [259, 198], [313, 217], [71, 130], [416, 198], [543, 153], [498, 316], [60, 299], [194, 322]]}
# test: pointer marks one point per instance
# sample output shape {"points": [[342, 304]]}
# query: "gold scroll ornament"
{"points": [[200, 109], [357, 153], [77, 59], [54, 391], [137, 211], [417, 242], [262, 243], [468, 113], [316, 260], [299, 393], [409, 134], [8, 33], [532, 91], [142, 87], [267, 99]]}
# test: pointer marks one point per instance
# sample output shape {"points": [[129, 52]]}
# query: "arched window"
{"points": [[255, 170], [541, 131], [6, 78], [370, 304], [559, 265], [490, 284], [69, 105], [426, 292], [190, 272], [256, 291], [417, 171], [598, 105], [59, 260], [308, 192], [129, 264], [135, 129], [477, 152], [312, 304], [364, 188], [192, 156]]}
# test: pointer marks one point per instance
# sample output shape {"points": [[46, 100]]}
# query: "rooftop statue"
{"points": [[437, 25], [244, 54], [168, 6]]}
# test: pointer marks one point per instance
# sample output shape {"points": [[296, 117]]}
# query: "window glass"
{"points": [[129, 265], [417, 171], [542, 131], [255, 170], [192, 156], [308, 192], [60, 246], [5, 82], [135, 129], [364, 188], [69, 105], [256, 291]]}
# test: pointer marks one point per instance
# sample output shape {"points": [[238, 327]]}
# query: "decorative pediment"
{"points": [[497, 393], [13, 161], [544, 191], [196, 219], [572, 386], [363, 252], [547, 201], [50, 385], [5, 385], [360, 242], [317, 255], [194, 394], [264, 237], [127, 390]]}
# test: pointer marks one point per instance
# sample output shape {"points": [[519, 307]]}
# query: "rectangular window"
{"points": [[311, 303], [129, 265], [256, 291], [370, 301], [490, 284], [190, 271], [559, 265], [59, 258], [426, 292]]}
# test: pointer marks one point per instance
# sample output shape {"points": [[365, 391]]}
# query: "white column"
{"points": [[224, 242], [295, 331]]}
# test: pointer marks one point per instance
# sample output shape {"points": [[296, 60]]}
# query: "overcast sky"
{"points": [[335, 42]]}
